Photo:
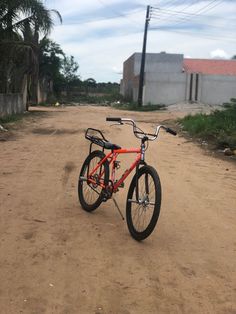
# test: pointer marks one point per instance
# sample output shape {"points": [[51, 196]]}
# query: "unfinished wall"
{"points": [[163, 78], [11, 103], [128, 77], [217, 89], [166, 83], [159, 63], [166, 88]]}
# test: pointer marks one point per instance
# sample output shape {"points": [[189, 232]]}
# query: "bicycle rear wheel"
{"points": [[90, 194], [142, 214]]}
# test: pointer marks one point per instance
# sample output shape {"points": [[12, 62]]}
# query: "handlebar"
{"points": [[169, 130], [113, 119], [140, 133]]}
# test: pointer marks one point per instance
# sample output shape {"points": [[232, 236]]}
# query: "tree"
{"points": [[234, 57], [50, 63], [69, 71], [25, 18], [50, 57], [21, 22], [90, 83]]}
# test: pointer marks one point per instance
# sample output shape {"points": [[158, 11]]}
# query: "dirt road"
{"points": [[56, 258]]}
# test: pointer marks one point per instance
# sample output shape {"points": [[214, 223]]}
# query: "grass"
{"points": [[102, 100], [114, 100], [17, 117], [11, 118], [135, 107], [219, 127]]}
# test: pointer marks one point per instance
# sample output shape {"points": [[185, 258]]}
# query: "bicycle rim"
{"points": [[142, 214], [90, 193]]}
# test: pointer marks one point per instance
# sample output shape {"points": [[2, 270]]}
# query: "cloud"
{"points": [[219, 54], [102, 34], [117, 70]]}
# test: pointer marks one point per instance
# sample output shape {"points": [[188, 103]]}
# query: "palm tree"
{"points": [[16, 15], [21, 23]]}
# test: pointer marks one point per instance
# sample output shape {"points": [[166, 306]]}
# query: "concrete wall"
{"points": [[11, 103], [216, 89], [165, 82], [128, 78], [24, 90], [158, 66], [41, 93], [166, 88], [159, 63]]}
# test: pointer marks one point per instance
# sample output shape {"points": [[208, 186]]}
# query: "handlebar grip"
{"points": [[114, 119], [171, 131]]}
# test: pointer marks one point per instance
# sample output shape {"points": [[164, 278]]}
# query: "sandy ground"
{"points": [[56, 258]]}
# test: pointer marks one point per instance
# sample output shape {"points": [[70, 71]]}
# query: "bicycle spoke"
{"points": [[92, 191], [142, 213]]}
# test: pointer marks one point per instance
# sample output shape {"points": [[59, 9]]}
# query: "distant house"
{"points": [[170, 78]]}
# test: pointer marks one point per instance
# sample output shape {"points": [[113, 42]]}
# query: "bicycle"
{"points": [[97, 181]]}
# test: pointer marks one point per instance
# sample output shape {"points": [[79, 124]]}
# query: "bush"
{"points": [[219, 126]]}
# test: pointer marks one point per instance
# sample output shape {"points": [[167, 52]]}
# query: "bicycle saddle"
{"points": [[111, 146]]}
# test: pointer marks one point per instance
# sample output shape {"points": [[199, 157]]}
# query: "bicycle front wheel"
{"points": [[143, 203], [90, 187]]}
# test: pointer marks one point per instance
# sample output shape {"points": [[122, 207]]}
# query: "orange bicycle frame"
{"points": [[111, 157]]}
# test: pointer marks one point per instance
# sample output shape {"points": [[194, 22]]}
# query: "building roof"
{"points": [[210, 66]]}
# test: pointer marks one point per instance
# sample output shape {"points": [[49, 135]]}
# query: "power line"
{"points": [[190, 16], [199, 24], [187, 16], [118, 14], [202, 35], [173, 12], [91, 20], [169, 4], [204, 9]]}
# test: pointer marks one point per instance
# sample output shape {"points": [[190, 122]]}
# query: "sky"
{"points": [[102, 34]]}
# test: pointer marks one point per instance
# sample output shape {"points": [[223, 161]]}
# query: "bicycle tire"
{"points": [[94, 157], [133, 208]]}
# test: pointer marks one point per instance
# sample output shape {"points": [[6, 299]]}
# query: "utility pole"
{"points": [[142, 67]]}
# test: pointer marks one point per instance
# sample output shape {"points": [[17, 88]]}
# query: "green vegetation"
{"points": [[11, 118], [132, 106], [21, 24], [105, 94], [91, 92], [18, 117], [32, 62], [219, 127]]}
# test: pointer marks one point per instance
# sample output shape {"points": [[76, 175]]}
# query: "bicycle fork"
{"points": [[141, 162]]}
